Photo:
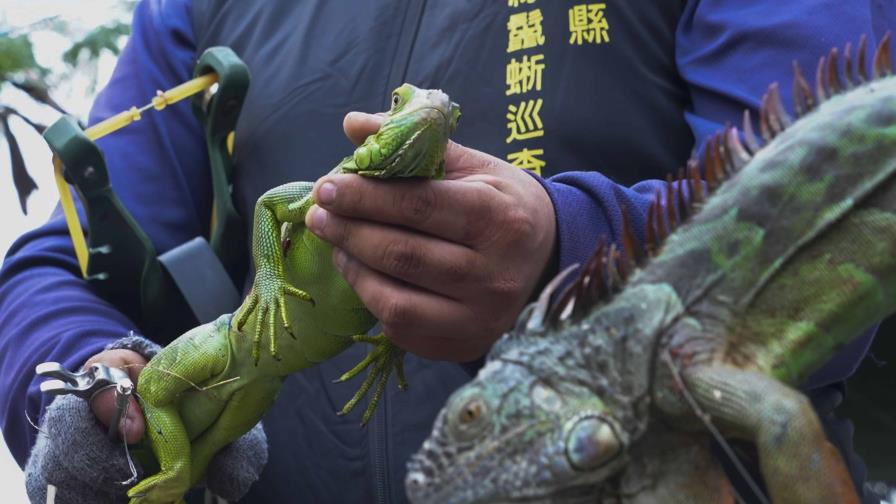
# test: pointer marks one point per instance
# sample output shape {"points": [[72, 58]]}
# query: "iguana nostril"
{"points": [[416, 479]]}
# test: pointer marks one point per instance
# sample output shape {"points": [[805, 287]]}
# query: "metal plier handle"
{"points": [[86, 383]]}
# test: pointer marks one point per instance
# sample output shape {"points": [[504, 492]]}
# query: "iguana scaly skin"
{"points": [[213, 384], [790, 258]]}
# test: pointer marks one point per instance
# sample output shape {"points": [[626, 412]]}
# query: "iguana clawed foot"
{"points": [[267, 297], [384, 357]]}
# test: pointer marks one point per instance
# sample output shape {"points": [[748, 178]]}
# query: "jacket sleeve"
{"points": [[158, 167], [727, 55]]}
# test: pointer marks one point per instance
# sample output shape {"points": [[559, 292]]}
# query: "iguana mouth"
{"points": [[443, 113], [461, 473], [571, 495]]}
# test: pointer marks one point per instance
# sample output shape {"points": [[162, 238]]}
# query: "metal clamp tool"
{"points": [[86, 383]]}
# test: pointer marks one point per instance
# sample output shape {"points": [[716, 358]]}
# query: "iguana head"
{"points": [[412, 140], [516, 433]]}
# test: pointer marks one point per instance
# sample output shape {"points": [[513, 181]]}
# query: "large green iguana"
{"points": [[212, 384], [767, 278]]}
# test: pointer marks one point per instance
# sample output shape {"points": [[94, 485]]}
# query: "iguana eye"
{"points": [[401, 96], [468, 418]]}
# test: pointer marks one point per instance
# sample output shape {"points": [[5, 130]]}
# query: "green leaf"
{"points": [[102, 38], [16, 56]]}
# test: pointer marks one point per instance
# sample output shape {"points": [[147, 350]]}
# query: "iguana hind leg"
{"points": [[192, 359], [244, 409], [171, 446], [384, 357], [798, 463]]}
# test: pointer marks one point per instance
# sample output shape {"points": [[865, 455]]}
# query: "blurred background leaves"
{"points": [[21, 70]]}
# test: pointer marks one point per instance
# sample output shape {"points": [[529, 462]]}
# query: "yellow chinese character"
{"points": [[527, 160], [516, 3], [524, 121], [524, 30], [525, 75], [587, 22]]}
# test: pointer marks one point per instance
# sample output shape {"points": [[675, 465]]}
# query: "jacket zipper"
{"points": [[378, 433]]}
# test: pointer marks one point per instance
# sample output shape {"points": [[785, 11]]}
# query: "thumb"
{"points": [[359, 125], [103, 405], [131, 424]]}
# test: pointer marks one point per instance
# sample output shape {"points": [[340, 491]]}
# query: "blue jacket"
{"points": [[623, 92]]}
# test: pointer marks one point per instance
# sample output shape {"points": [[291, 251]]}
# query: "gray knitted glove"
{"points": [[73, 453], [232, 470]]}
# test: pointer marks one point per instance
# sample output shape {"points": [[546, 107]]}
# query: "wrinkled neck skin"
{"points": [[616, 350]]}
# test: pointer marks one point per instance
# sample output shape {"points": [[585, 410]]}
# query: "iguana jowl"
{"points": [[213, 384], [790, 258]]}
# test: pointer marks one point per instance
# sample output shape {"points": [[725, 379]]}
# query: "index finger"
{"points": [[459, 211]]}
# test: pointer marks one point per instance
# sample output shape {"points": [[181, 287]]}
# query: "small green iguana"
{"points": [[757, 287], [212, 384]]}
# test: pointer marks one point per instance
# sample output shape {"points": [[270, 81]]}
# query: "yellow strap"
{"points": [[103, 128], [71, 216], [160, 101]]}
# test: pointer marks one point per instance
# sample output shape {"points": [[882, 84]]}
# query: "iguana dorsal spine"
{"points": [[724, 154]]}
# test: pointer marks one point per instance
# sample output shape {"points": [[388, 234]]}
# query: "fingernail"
{"points": [[339, 259], [318, 220], [326, 194]]}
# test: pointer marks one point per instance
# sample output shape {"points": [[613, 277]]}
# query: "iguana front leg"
{"points": [[287, 203], [797, 461]]}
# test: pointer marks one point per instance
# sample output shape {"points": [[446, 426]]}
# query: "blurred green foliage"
{"points": [[94, 43], [19, 68], [17, 56]]}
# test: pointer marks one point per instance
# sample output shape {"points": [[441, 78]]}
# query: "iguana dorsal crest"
{"points": [[724, 154]]}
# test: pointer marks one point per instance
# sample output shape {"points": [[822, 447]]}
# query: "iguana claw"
{"points": [[384, 357], [267, 297]]}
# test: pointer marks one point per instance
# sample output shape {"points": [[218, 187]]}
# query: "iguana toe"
{"points": [[246, 310], [384, 357]]}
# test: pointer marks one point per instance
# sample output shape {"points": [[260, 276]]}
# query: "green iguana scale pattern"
{"points": [[758, 286], [213, 383]]}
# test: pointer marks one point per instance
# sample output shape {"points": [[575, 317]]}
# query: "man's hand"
{"points": [[74, 454], [447, 265]]}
